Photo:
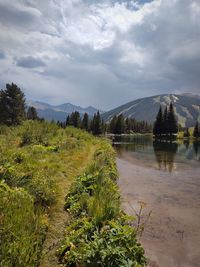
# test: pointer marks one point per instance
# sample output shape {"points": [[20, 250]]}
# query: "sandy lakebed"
{"points": [[172, 234]]}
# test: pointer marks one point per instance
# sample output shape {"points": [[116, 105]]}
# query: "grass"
{"points": [[37, 165], [40, 164], [98, 233]]}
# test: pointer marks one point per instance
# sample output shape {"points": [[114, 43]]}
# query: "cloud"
{"points": [[102, 53], [2, 55], [29, 62]]}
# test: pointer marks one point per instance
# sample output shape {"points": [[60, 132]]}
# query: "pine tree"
{"points": [[68, 120], [165, 129], [112, 125], [196, 132], [172, 122], [75, 119], [12, 105], [96, 124], [128, 125], [32, 114], [158, 125], [85, 122], [120, 124]]}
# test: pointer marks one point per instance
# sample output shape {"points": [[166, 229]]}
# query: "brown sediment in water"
{"points": [[172, 234]]}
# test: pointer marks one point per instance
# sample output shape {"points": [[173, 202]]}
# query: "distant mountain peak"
{"points": [[59, 112]]}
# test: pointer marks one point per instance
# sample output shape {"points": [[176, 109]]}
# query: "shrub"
{"points": [[99, 234]]}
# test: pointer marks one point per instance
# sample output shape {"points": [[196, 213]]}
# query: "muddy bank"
{"points": [[172, 235]]}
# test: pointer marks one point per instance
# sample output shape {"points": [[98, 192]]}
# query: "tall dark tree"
{"points": [[128, 125], [85, 122], [68, 120], [120, 125], [165, 129], [75, 119], [112, 125], [196, 132], [158, 125], [12, 105], [172, 123], [32, 114], [96, 124]]}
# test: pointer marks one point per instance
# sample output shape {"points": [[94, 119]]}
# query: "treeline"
{"points": [[120, 125], [166, 123], [13, 110], [96, 125]]}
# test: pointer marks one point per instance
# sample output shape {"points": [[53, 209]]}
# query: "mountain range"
{"points": [[59, 112], [186, 106]]}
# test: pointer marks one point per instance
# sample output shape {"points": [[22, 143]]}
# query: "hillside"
{"points": [[187, 108], [59, 112]]}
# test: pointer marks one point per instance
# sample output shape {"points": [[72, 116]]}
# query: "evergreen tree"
{"points": [[75, 119], [158, 125], [32, 114], [96, 124], [120, 125], [165, 129], [186, 133], [68, 120], [128, 125], [171, 121], [85, 122], [12, 105], [112, 125], [196, 132]]}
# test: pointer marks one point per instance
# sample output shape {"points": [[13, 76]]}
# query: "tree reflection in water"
{"points": [[196, 147], [165, 153]]}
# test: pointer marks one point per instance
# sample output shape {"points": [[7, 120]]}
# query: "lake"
{"points": [[164, 179]]}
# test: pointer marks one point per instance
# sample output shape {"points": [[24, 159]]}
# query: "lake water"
{"points": [[165, 178]]}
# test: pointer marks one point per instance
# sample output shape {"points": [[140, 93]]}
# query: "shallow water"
{"points": [[166, 177]]}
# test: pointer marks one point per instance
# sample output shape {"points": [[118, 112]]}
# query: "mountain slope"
{"points": [[187, 108], [59, 112]]}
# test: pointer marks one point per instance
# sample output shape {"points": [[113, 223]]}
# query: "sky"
{"points": [[100, 52]]}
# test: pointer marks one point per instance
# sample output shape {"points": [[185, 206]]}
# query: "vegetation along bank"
{"points": [[38, 165]]}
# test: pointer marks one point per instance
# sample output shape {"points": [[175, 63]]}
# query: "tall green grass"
{"points": [[22, 231], [99, 234], [32, 157]]}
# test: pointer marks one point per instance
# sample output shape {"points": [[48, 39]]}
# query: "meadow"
{"points": [[45, 169]]}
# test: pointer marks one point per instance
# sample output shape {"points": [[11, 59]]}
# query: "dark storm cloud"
{"points": [[29, 62], [97, 52]]}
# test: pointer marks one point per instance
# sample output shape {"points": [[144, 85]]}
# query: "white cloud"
{"points": [[87, 51]]}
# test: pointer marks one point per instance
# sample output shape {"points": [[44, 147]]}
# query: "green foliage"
{"points": [[21, 231], [114, 244], [96, 125], [36, 132], [32, 114], [85, 122], [166, 123], [196, 132], [12, 105], [99, 234], [120, 125], [29, 172]]}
